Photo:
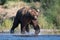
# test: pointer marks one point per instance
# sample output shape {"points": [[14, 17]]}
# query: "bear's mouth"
{"points": [[35, 17]]}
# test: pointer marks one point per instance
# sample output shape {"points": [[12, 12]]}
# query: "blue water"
{"points": [[40, 37]]}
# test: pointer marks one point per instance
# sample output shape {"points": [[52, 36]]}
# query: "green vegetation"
{"points": [[49, 17], [2, 2], [51, 12], [6, 24]]}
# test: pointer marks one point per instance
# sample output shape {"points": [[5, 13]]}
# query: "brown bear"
{"points": [[26, 16]]}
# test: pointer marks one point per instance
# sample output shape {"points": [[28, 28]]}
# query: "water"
{"points": [[32, 37]]}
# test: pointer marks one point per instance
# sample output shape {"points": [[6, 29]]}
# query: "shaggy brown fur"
{"points": [[26, 16]]}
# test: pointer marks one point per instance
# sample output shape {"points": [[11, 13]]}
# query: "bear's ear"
{"points": [[38, 10]]}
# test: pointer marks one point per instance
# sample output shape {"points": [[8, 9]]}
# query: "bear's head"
{"points": [[34, 13]]}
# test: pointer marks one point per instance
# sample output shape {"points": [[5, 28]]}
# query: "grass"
{"points": [[7, 23], [44, 24]]}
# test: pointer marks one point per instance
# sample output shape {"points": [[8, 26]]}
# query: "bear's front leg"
{"points": [[36, 27]]}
